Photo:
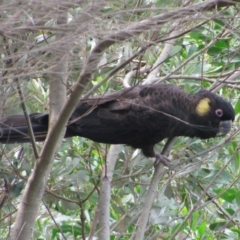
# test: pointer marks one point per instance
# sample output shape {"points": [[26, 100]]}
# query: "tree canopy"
{"points": [[54, 53]]}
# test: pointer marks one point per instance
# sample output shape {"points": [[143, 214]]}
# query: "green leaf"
{"points": [[229, 195], [238, 198], [219, 225], [237, 107]]}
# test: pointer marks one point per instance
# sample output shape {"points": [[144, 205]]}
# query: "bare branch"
{"points": [[105, 192]]}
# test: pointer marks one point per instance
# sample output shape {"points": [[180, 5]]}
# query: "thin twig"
{"points": [[27, 118]]}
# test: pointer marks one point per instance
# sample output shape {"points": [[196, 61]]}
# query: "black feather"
{"points": [[140, 116]]}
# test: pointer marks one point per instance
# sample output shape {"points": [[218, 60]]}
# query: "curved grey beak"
{"points": [[224, 128]]}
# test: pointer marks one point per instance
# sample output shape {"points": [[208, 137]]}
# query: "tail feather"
{"points": [[13, 129]]}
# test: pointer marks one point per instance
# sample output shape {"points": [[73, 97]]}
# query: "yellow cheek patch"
{"points": [[203, 107]]}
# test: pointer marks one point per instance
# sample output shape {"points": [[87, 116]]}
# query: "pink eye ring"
{"points": [[219, 112]]}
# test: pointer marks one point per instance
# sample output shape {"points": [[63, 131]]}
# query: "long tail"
{"points": [[13, 129]]}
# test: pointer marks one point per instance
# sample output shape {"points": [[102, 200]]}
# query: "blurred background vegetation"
{"points": [[201, 187]]}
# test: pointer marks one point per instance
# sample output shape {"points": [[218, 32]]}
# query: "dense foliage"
{"points": [[198, 197]]}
